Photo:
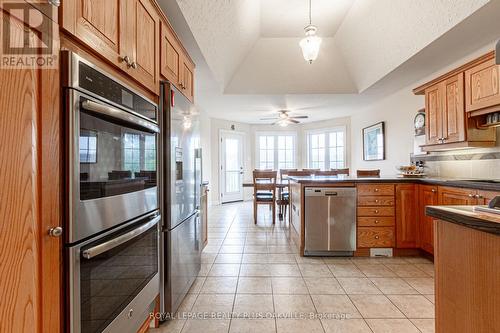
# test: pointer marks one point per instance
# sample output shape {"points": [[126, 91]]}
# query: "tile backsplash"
{"points": [[481, 163]]}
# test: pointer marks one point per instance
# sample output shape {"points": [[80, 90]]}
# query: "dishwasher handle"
{"points": [[331, 194]]}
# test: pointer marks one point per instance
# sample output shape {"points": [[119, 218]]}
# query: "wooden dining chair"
{"points": [[264, 184], [368, 173], [342, 171], [301, 173], [283, 199], [326, 173], [310, 170]]}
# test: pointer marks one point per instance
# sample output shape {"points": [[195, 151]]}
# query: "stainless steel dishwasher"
{"points": [[330, 221]]}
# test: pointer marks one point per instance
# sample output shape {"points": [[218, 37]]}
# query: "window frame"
{"points": [[294, 136], [326, 132]]}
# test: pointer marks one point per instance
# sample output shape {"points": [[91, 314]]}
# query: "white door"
{"points": [[231, 166]]}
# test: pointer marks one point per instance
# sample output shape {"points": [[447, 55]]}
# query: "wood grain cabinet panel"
{"points": [[375, 211], [30, 192], [376, 237], [170, 56], [406, 216], [427, 196], [434, 118], [456, 196], [375, 189], [376, 201], [453, 122], [188, 79], [482, 89], [382, 221]]}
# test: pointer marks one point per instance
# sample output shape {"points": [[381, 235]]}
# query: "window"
{"points": [[88, 146], [276, 151], [326, 149], [132, 150]]}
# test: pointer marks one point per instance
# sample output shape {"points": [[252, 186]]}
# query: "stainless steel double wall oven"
{"points": [[113, 220]]}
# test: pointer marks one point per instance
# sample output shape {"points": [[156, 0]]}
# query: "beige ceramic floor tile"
{"points": [[407, 271], [254, 285], [291, 270], [413, 306], [187, 303], [431, 297], [427, 268], [358, 286], [228, 258], [375, 270], [254, 258], [393, 286], [298, 326], [243, 325], [335, 306], [345, 326], [323, 286], [285, 258], [315, 270], [289, 285], [309, 260], [219, 285], [375, 306], [224, 270], [197, 284], [206, 326], [205, 268], [422, 285], [345, 270], [231, 249], [254, 305], [169, 326], [391, 326], [425, 325], [213, 303], [208, 258], [301, 304], [255, 270]]}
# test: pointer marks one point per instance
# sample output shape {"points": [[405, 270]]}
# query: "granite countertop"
{"points": [[466, 216], [481, 184]]}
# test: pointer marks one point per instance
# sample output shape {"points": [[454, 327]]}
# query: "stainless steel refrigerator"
{"points": [[181, 177]]}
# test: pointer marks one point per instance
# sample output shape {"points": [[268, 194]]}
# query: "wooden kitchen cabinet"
{"points": [[456, 196], [482, 87], [375, 237], [427, 196], [124, 32], [406, 216], [445, 116], [484, 197], [30, 185]]}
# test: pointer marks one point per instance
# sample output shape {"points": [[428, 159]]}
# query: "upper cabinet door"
{"points": [[141, 35], [453, 109], [97, 23], [434, 118], [482, 90], [188, 79], [170, 64]]}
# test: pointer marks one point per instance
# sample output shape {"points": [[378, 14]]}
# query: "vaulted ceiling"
{"points": [[248, 58]]}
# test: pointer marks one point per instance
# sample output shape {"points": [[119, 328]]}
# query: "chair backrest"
{"points": [[285, 172], [326, 173], [300, 173], [264, 180], [342, 171], [310, 170], [368, 173]]}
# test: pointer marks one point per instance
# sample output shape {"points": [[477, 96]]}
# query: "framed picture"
{"points": [[374, 142]]}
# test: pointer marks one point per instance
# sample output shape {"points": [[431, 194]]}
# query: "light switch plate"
{"points": [[381, 252]]}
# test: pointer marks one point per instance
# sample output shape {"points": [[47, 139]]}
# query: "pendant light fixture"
{"points": [[311, 43]]}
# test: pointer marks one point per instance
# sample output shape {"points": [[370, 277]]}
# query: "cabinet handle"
{"points": [[478, 196], [376, 190], [376, 221], [377, 237], [55, 232], [376, 200], [472, 195], [133, 65], [376, 211], [433, 190], [55, 3], [125, 59]]}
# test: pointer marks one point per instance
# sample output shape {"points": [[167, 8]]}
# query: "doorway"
{"points": [[231, 166]]}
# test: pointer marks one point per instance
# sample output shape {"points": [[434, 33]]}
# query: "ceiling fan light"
{"points": [[310, 44], [283, 123], [283, 115]]}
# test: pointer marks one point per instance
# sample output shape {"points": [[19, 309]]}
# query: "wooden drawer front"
{"points": [[383, 221], [375, 189], [376, 201], [376, 237], [375, 211]]}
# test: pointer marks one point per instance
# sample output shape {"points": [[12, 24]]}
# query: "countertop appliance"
{"points": [[112, 235], [330, 221], [180, 174]]}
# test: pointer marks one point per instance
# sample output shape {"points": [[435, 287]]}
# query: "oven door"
{"points": [[112, 165], [114, 279]]}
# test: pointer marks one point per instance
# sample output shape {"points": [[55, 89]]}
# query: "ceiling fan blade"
{"points": [[274, 118], [293, 121], [299, 117]]}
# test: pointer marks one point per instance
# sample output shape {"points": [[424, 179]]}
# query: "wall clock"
{"points": [[419, 123]]}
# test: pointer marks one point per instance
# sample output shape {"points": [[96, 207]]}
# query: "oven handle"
{"points": [[119, 114], [106, 246]]}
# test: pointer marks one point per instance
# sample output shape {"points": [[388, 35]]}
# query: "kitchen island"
{"points": [[390, 211], [467, 266]]}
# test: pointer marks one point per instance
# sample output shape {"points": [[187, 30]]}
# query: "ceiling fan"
{"points": [[284, 119]]}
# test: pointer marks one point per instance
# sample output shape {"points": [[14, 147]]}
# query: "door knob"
{"points": [[377, 237], [55, 232]]}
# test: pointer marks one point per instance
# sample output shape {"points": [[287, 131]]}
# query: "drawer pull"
{"points": [[376, 200], [376, 190], [376, 211], [376, 221], [377, 237]]}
